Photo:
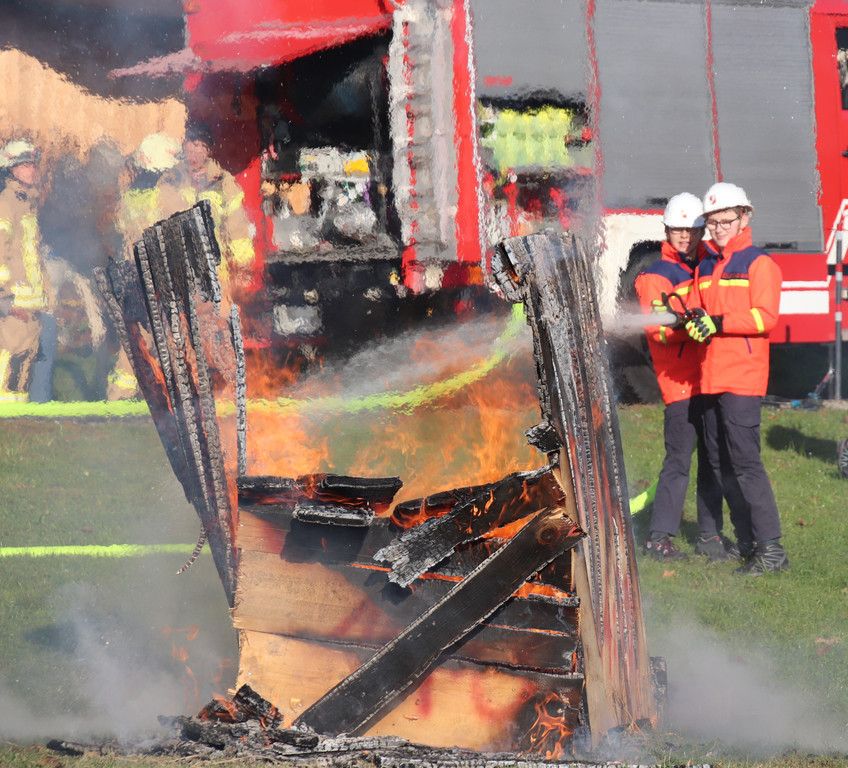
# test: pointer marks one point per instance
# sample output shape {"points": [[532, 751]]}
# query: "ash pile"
{"points": [[248, 727]]}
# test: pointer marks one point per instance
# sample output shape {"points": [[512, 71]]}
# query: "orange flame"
{"points": [[179, 652], [467, 437], [549, 735]]}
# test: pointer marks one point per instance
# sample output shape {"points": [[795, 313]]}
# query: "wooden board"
{"points": [[357, 700], [459, 703], [276, 533], [554, 275], [359, 605]]}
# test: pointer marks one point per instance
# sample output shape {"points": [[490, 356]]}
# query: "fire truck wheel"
{"points": [[633, 371]]}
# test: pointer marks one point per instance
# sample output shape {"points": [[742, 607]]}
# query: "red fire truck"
{"points": [[425, 130]]}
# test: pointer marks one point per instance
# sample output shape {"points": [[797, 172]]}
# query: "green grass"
{"points": [[80, 637], [782, 635]]}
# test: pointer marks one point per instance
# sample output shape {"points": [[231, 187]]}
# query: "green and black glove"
{"points": [[701, 328]]}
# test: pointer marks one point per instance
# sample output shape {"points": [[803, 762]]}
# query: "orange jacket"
{"points": [[742, 284], [675, 355]]}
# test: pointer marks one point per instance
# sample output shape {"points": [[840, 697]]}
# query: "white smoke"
{"points": [[109, 668], [389, 365], [734, 694]]}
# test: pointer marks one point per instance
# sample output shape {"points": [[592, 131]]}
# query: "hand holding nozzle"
{"points": [[682, 314], [704, 326]]}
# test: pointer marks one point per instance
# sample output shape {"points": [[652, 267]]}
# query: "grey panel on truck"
{"points": [[655, 108], [534, 47], [764, 95]]}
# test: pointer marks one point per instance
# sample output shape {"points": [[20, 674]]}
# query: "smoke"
{"points": [[631, 325], [120, 645], [734, 694], [417, 357], [118, 688]]}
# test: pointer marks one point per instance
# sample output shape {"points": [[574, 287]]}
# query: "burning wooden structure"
{"points": [[498, 617]]}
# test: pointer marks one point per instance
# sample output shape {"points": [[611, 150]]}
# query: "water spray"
{"points": [[627, 324]]}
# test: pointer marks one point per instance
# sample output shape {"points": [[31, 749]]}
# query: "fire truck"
{"points": [[384, 146], [400, 140]]}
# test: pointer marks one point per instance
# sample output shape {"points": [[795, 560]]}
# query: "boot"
{"points": [[768, 557], [716, 548], [660, 547], [741, 550]]}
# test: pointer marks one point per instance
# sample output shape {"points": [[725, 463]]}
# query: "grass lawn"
{"points": [[757, 662], [757, 668]]}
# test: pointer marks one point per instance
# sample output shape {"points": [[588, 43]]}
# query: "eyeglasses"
{"points": [[725, 225], [684, 230]]}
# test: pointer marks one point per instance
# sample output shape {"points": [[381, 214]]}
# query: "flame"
{"points": [[549, 734], [460, 427], [180, 653]]}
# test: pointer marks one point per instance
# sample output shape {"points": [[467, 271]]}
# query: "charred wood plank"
{"points": [[554, 276], [332, 514], [544, 438], [160, 345], [249, 702], [241, 390], [415, 511], [511, 499], [357, 699], [374, 492], [271, 529], [69, 748], [176, 284]]}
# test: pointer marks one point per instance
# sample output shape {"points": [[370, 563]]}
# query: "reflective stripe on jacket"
{"points": [[226, 198], [743, 285], [21, 262], [139, 209], [674, 354]]}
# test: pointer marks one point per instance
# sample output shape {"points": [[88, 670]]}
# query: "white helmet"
{"points": [[157, 152], [17, 152], [723, 195], [684, 210]]}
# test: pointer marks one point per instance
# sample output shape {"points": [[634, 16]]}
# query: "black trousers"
{"points": [[682, 431], [731, 431]]}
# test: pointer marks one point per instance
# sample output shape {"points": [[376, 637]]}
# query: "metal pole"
{"points": [[837, 363]]}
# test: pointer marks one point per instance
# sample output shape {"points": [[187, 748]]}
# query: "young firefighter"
{"points": [[676, 363], [738, 285]]}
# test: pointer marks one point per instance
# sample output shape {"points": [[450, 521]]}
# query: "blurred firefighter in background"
{"points": [[139, 208], [24, 293], [199, 177]]}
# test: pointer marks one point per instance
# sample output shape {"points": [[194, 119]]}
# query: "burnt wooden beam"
{"points": [[554, 276], [415, 511], [241, 390], [543, 437], [351, 704], [321, 488], [516, 496], [166, 308], [327, 513]]}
